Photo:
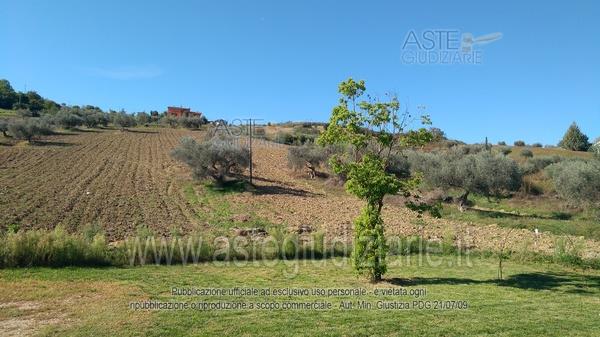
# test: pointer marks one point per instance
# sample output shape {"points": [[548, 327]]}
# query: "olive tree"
{"points": [[143, 118], [576, 181], [219, 158], [192, 122], [123, 120], [481, 173], [28, 129], [308, 157], [67, 120], [376, 130], [93, 118]]}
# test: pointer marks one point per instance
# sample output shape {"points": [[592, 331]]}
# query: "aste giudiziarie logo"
{"points": [[445, 46]]}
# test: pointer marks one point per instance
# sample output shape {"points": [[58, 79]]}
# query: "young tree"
{"points": [[219, 158], [306, 157], [574, 139], [376, 130]]}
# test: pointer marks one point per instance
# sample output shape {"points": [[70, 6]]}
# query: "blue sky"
{"points": [[282, 60]]}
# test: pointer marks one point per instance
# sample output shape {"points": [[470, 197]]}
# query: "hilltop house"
{"points": [[182, 112]]}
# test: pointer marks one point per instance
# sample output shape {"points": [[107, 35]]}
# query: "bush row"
{"points": [[57, 248]]}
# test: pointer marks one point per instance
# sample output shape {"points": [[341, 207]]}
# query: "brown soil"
{"points": [[121, 180], [116, 179]]}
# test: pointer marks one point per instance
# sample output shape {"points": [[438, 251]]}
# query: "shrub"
{"points": [[26, 113], [538, 163], [92, 119], [123, 120], [67, 120], [143, 118], [519, 143], [284, 138], [399, 166], [219, 158], [4, 126], [294, 139], [437, 134], [537, 145], [28, 129], [306, 129], [193, 122], [574, 139], [505, 150], [463, 150], [576, 181], [308, 157], [55, 248], [527, 153], [169, 121], [502, 143]]}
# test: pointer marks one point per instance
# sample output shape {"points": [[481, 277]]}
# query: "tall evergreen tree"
{"points": [[574, 139]]}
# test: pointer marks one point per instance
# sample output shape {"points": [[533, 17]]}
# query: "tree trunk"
{"points": [[369, 253], [463, 201], [312, 172]]}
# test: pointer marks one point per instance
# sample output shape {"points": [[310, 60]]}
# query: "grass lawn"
{"points": [[534, 300]]}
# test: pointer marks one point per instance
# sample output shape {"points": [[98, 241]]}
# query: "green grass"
{"points": [[538, 151], [534, 300], [7, 113], [213, 207], [543, 213]]}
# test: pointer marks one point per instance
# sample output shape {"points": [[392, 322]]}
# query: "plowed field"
{"points": [[115, 179], [124, 180]]}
